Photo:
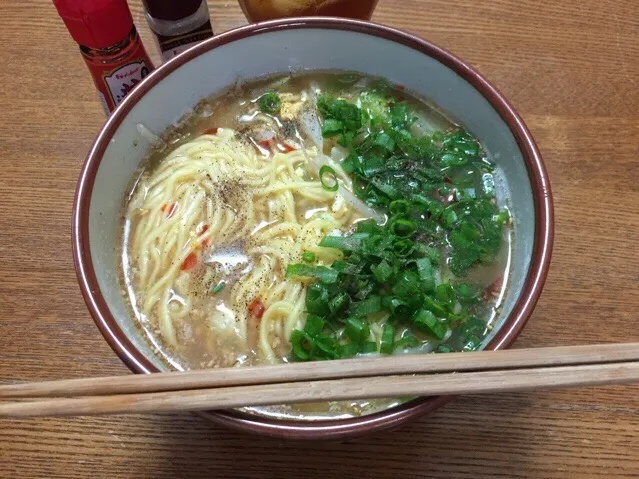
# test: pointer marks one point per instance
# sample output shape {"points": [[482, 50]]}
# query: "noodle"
{"points": [[216, 192]]}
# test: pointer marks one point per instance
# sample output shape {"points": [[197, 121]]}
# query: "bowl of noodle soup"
{"points": [[311, 189]]}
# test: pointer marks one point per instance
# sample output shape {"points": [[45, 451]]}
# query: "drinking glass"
{"points": [[260, 10]]}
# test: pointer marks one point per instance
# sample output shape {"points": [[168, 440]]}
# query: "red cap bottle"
{"points": [[110, 45]]}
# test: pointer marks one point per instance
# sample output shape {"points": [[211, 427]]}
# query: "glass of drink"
{"points": [[260, 10]]}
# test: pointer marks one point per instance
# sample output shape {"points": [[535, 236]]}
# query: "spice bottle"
{"points": [[110, 46], [178, 25]]}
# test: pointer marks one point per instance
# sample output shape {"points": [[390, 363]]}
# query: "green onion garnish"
{"points": [[399, 207], [356, 330], [403, 228], [314, 325], [502, 217], [269, 103], [302, 344], [324, 274], [426, 322], [368, 347], [408, 340], [437, 191], [370, 305], [308, 257], [332, 184], [218, 287], [388, 337]]}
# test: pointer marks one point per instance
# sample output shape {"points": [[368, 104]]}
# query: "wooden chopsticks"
{"points": [[404, 375]]}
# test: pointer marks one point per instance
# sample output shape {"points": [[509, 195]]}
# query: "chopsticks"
{"points": [[404, 375]]}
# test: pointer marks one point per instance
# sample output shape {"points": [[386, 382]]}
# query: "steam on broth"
{"points": [[314, 217]]}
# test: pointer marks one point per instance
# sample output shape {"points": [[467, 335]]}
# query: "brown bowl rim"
{"points": [[324, 429]]}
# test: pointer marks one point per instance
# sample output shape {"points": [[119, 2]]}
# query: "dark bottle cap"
{"points": [[171, 9]]}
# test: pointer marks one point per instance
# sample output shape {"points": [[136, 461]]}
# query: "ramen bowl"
{"points": [[294, 46]]}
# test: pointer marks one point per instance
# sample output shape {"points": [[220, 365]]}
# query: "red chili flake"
{"points": [[256, 308], [400, 87], [263, 147], [493, 289], [201, 229], [285, 148], [266, 144], [169, 209], [210, 131], [189, 262], [447, 180], [205, 242]]}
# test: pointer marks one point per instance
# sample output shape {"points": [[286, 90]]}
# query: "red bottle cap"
{"points": [[96, 23]]}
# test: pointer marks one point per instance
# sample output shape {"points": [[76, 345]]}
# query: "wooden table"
{"points": [[571, 70]]}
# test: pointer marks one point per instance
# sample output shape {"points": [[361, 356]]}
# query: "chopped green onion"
{"points": [[406, 285], [370, 305], [327, 170], [332, 127], [383, 140], [502, 217], [408, 340], [388, 337], [399, 207], [449, 217], [218, 287], [403, 248], [356, 330], [399, 307], [302, 344], [344, 243], [338, 302], [317, 299], [426, 322], [308, 257], [324, 274], [433, 306], [350, 163], [393, 267], [445, 294], [347, 350], [269, 103], [403, 228], [466, 293], [444, 348], [326, 346], [368, 347], [382, 271], [426, 273], [314, 325]]}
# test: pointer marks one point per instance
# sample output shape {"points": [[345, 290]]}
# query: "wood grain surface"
{"points": [[571, 70]]}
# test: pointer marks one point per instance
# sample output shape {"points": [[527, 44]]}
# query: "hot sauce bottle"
{"points": [[110, 46]]}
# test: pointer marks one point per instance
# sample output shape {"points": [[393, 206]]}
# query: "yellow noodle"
{"points": [[211, 193]]}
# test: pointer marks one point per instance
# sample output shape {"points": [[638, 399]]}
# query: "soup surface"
{"points": [[313, 217]]}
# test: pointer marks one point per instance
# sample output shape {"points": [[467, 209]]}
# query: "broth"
{"points": [[223, 224]]}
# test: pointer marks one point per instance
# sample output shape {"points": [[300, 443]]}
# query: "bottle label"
{"points": [[172, 45], [121, 81], [115, 79]]}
